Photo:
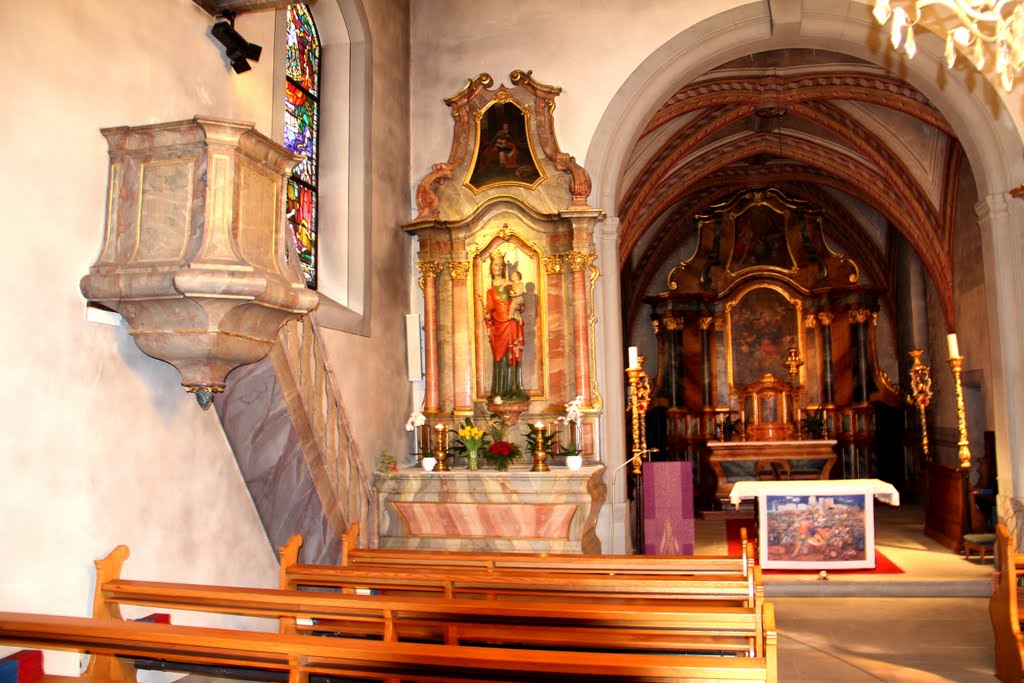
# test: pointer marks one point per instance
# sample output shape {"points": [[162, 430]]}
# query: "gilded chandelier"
{"points": [[972, 26]]}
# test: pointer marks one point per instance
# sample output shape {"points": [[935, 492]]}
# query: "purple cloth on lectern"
{"points": [[668, 508]]}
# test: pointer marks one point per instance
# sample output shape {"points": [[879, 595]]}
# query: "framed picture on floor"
{"points": [[833, 530]]}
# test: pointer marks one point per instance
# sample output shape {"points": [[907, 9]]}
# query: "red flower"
{"points": [[501, 448]]}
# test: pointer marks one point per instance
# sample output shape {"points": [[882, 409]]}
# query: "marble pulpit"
{"points": [[512, 511]]}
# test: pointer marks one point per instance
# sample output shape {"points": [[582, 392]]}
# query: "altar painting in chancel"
{"points": [[763, 325]]}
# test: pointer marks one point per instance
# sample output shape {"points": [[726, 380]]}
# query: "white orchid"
{"points": [[573, 409], [415, 420], [497, 400]]}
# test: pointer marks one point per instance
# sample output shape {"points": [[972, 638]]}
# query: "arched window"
{"points": [[302, 134], [340, 107]]}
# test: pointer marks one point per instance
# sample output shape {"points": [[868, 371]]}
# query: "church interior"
{"points": [[600, 279]]}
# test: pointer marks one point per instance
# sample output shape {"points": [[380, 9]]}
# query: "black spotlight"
{"points": [[237, 48]]}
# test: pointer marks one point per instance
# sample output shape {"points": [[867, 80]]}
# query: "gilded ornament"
{"points": [[552, 265], [673, 323], [502, 96], [859, 316], [705, 322], [810, 322], [578, 260], [825, 318], [428, 269], [459, 269]]}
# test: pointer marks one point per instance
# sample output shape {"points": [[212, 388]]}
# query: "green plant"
{"points": [[534, 443], [731, 427], [386, 463], [814, 423]]}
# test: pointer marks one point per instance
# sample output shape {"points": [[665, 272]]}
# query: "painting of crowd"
{"points": [[816, 528]]}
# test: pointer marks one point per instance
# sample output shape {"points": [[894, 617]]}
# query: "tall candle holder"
{"points": [[793, 363], [423, 442], [963, 452], [441, 449], [639, 399], [540, 455], [921, 385]]}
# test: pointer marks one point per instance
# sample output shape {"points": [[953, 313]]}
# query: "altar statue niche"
{"points": [[503, 153], [509, 322]]}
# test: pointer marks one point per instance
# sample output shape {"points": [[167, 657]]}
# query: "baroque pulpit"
{"points": [[507, 270]]}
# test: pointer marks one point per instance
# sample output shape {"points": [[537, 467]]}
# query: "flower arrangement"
{"points": [[416, 419], [573, 416], [470, 436], [501, 452]]}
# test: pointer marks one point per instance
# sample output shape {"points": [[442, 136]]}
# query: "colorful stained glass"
{"points": [[302, 59], [301, 121], [302, 220], [301, 133]]}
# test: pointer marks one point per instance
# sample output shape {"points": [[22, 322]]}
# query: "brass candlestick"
{"points": [[639, 399], [793, 363], [921, 385], [963, 453], [539, 454], [441, 450]]}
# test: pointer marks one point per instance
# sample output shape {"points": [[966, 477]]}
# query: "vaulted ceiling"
{"points": [[855, 141]]}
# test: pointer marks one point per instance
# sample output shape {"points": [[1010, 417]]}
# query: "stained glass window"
{"points": [[301, 133]]}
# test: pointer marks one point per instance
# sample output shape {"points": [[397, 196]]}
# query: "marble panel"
{"points": [[513, 511]]}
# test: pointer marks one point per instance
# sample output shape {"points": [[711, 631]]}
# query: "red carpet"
{"points": [[883, 565]]}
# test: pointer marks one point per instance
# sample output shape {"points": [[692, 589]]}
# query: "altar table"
{"points": [[487, 510], [816, 524]]}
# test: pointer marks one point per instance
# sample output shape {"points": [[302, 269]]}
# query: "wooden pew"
{"points": [[1004, 609], [368, 558], [296, 657], [662, 627]]}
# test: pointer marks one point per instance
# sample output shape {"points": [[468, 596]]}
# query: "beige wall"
{"points": [[101, 444]]}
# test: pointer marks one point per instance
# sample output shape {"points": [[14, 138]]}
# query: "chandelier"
{"points": [[976, 27]]}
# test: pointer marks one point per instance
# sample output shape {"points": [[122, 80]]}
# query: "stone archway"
{"points": [[973, 109]]}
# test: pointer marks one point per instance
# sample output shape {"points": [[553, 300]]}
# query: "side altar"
{"points": [[512, 511]]}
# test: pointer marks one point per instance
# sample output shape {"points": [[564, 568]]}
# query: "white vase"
{"points": [[574, 462], [428, 464]]}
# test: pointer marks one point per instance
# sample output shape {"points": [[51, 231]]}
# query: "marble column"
{"points": [[462, 326], [428, 283], [858, 329], [707, 398], [579, 265], [828, 382]]}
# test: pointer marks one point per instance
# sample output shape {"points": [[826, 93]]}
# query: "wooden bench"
{"points": [[351, 556], [1004, 609], [114, 644], [663, 627]]}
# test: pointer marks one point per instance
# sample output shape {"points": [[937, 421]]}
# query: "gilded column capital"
{"points": [[825, 319], [859, 315], [810, 322], [706, 322], [578, 260], [428, 269], [552, 265], [656, 324], [673, 323], [459, 269]]}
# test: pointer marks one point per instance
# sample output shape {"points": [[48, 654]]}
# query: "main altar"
{"points": [[506, 258]]}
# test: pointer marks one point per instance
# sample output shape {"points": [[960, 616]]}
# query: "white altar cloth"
{"points": [[882, 490]]}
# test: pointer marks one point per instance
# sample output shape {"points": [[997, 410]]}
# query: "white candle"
{"points": [[633, 357], [954, 349]]}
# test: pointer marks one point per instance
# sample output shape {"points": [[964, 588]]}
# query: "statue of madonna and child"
{"points": [[503, 316]]}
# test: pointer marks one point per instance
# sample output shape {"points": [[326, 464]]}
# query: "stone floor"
{"points": [[927, 625]]}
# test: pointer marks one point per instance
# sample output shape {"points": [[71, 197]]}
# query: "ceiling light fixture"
{"points": [[975, 27]]}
